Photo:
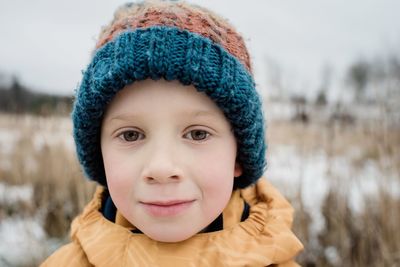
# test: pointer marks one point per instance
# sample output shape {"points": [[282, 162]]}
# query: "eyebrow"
{"points": [[193, 114], [122, 117], [201, 113]]}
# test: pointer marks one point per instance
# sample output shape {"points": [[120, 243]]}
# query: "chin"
{"points": [[169, 236]]}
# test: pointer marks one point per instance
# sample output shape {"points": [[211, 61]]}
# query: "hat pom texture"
{"points": [[145, 45]]}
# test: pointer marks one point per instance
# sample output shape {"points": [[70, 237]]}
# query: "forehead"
{"points": [[148, 97]]}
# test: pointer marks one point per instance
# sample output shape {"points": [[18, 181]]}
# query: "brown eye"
{"points": [[131, 136], [198, 135]]}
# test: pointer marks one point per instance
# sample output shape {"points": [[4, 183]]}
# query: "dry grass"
{"points": [[350, 238], [59, 189], [372, 141], [367, 238]]}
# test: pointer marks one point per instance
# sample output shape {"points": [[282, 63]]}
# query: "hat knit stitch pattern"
{"points": [[172, 40]]}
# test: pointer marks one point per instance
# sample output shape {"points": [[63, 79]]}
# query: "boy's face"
{"points": [[169, 156]]}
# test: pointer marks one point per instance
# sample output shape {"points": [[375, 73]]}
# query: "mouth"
{"points": [[166, 208]]}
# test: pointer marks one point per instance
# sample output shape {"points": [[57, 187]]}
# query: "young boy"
{"points": [[167, 120]]}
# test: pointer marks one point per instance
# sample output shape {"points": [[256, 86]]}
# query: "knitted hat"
{"points": [[174, 41]]}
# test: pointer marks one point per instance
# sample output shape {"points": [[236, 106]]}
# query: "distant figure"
{"points": [[168, 122]]}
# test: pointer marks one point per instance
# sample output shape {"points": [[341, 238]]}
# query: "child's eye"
{"points": [[131, 136], [197, 135]]}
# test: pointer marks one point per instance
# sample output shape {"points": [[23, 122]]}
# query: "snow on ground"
{"points": [[12, 194], [289, 172], [8, 139], [19, 235], [23, 239], [42, 132], [315, 173]]}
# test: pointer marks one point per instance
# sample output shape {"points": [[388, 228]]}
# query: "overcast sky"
{"points": [[47, 43]]}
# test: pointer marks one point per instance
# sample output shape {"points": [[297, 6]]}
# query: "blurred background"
{"points": [[329, 73]]}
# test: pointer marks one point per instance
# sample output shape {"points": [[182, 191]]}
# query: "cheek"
{"points": [[216, 170], [119, 178], [216, 187], [118, 166], [113, 168], [218, 161]]}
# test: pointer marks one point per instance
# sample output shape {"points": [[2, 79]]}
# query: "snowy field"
{"points": [[302, 172]]}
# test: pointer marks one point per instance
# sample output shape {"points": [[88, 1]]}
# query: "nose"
{"points": [[161, 165]]}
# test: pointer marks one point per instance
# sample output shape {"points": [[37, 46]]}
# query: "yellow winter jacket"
{"points": [[263, 239]]}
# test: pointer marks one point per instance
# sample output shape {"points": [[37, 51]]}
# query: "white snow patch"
{"points": [[42, 139], [10, 194], [8, 139], [22, 241], [314, 174]]}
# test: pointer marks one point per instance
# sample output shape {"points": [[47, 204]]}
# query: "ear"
{"points": [[238, 170]]}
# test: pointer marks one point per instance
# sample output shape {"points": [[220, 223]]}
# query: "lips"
{"points": [[166, 208]]}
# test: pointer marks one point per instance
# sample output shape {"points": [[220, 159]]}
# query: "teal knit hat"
{"points": [[174, 44]]}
